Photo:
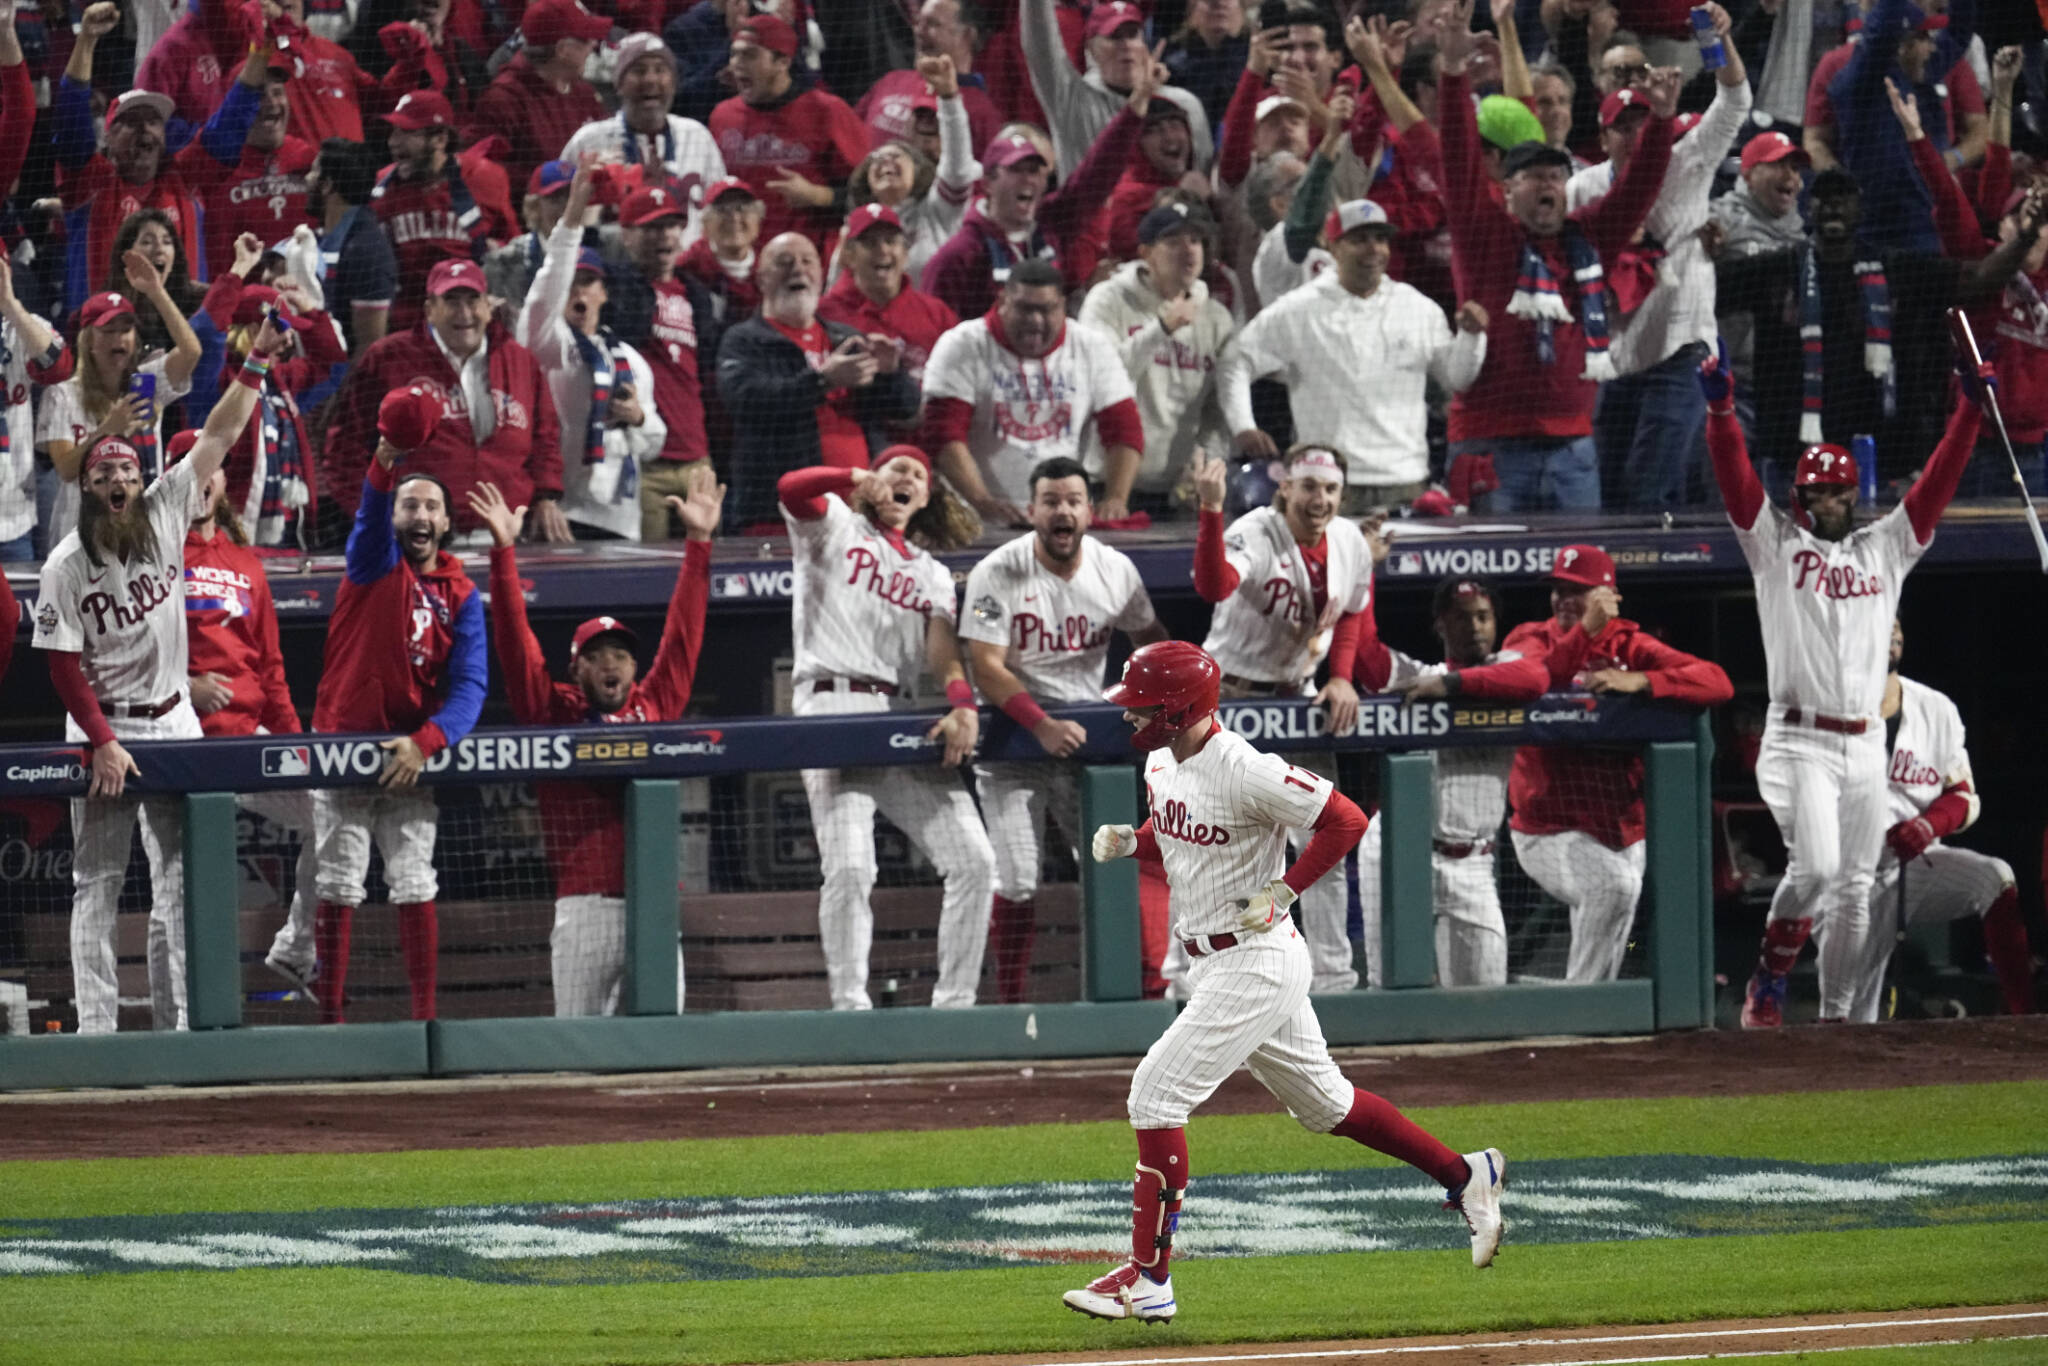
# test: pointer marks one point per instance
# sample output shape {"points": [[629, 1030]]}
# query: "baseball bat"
{"points": [[1965, 339]]}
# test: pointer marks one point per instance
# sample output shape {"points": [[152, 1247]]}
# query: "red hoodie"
{"points": [[913, 318], [232, 629]]}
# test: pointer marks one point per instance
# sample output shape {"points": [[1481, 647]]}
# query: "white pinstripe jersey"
{"points": [[1269, 629], [1826, 608], [861, 605], [1057, 630], [1221, 820], [126, 621], [1471, 784], [1927, 755]]}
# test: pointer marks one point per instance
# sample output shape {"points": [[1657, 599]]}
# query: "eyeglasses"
{"points": [[1631, 74]]}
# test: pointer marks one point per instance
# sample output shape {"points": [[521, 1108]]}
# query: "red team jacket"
{"points": [[232, 629], [809, 132], [1600, 791], [523, 454], [447, 218], [585, 822]]}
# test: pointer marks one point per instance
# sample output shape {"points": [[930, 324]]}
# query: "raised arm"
{"points": [[469, 675], [1215, 577], [958, 169], [1311, 200], [1931, 492], [528, 686], [230, 416], [1053, 77], [673, 672], [1740, 492]]}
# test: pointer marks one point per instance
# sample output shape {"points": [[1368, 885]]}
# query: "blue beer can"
{"points": [[1864, 448], [1713, 54]]}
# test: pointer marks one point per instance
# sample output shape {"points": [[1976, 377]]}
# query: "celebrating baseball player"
{"points": [[1219, 816], [238, 684], [1471, 785], [1827, 591], [1578, 821], [110, 616], [405, 654], [1930, 793], [873, 610], [1039, 615], [584, 823], [1291, 584]]}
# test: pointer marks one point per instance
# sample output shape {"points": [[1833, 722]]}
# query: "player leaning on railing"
{"points": [[583, 823]]}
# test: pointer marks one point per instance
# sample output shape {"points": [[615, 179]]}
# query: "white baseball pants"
{"points": [[588, 944], [1827, 793], [1247, 1007], [1016, 798], [102, 834], [1599, 884], [1942, 884], [1471, 932], [401, 821], [930, 805]]}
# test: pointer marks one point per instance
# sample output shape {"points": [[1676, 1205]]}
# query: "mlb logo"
{"points": [[1407, 562], [287, 761], [729, 586]]}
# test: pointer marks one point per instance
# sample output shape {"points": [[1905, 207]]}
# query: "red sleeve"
{"points": [[1561, 657], [279, 716], [1965, 95], [1368, 123], [1994, 182], [1510, 680], [544, 458], [1337, 832], [1068, 210], [1344, 644], [1740, 491], [10, 622], [1148, 844], [67, 675], [1374, 662], [674, 669], [222, 298], [946, 420], [1611, 222], [1820, 111], [1949, 812], [1215, 579], [1675, 675], [1120, 425], [352, 435], [59, 370], [527, 685], [17, 120], [803, 491], [1954, 219], [1929, 497], [1484, 237], [1240, 128]]}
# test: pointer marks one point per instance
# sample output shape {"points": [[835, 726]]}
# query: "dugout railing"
{"points": [[651, 763]]}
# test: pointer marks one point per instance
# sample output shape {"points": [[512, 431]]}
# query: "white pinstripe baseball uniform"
{"points": [[1927, 759], [127, 624], [861, 607], [1221, 820], [1270, 631], [1826, 609], [1056, 637]]}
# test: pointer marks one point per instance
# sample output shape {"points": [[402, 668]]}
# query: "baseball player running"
{"points": [[1471, 785], [110, 616], [874, 610], [1219, 816], [1578, 821], [238, 685], [584, 823], [1040, 611], [405, 654], [1929, 793], [1291, 584], [1826, 593]]}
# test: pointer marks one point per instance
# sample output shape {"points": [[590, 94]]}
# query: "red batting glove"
{"points": [[1909, 839]]}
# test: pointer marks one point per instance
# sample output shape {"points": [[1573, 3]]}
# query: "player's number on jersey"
{"points": [[1297, 778]]}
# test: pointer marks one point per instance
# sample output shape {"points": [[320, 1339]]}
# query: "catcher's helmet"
{"points": [[1825, 463], [1175, 676]]}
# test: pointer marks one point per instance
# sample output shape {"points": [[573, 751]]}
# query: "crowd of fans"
{"points": [[1477, 256]]}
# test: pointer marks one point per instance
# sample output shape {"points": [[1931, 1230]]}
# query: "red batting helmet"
{"points": [[1826, 463], [1175, 676]]}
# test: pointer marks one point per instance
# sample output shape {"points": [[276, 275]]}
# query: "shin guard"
{"points": [[1156, 1193], [1783, 939]]}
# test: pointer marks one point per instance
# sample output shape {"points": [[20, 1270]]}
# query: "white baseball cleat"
{"points": [[299, 976], [1479, 1202], [1125, 1293]]}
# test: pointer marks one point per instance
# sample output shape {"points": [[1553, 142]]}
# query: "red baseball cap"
{"points": [[179, 446], [1684, 124], [407, 417], [871, 216], [131, 101], [102, 309], [651, 204], [771, 33], [253, 301], [719, 189], [1009, 151], [1587, 565], [450, 275], [600, 626], [1769, 147], [548, 22], [421, 109], [1107, 19], [1628, 97]]}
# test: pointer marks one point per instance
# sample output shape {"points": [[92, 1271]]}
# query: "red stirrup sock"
{"points": [[331, 924], [419, 935], [1012, 933], [1375, 1122], [2005, 941], [1156, 1193], [1783, 939]]}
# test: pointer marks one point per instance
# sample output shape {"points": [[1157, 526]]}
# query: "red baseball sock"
{"points": [[1012, 932], [2005, 941], [1375, 1122], [419, 935], [1783, 939], [331, 924], [1155, 1198]]}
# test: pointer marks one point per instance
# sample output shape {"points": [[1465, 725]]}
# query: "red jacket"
{"points": [[807, 131], [913, 317], [232, 629], [534, 117], [1556, 788], [522, 455], [585, 822], [265, 194]]}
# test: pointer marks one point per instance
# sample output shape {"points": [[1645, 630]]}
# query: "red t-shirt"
{"points": [[265, 194], [841, 442], [813, 134]]}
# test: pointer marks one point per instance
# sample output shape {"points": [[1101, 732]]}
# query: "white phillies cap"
{"points": [[1357, 213], [1273, 104], [1316, 462]]}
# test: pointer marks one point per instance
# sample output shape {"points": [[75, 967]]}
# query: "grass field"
{"points": [[1958, 1251]]}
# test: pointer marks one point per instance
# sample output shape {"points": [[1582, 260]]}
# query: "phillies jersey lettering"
{"points": [[128, 605], [1065, 637], [861, 605], [1276, 627], [1810, 568], [675, 326], [1172, 822], [1928, 755], [1055, 631], [892, 585], [427, 225], [1177, 354]]}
